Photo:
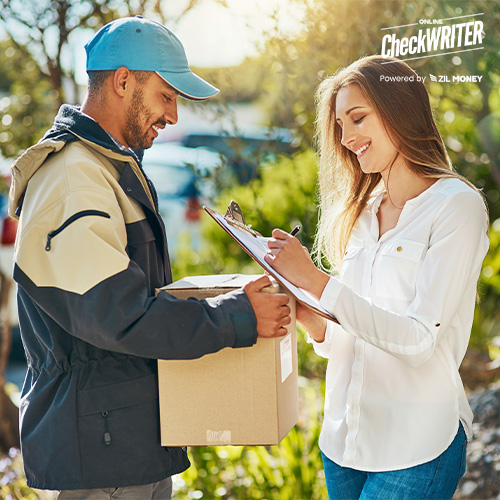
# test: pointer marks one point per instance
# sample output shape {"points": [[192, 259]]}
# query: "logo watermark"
{"points": [[439, 40], [412, 78], [433, 78], [456, 78]]}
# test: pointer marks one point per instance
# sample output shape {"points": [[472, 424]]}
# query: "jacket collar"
{"points": [[72, 119], [70, 125]]}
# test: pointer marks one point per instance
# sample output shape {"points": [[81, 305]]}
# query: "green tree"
{"points": [[487, 316], [26, 100], [36, 61], [334, 34], [468, 114], [45, 27], [284, 195]]}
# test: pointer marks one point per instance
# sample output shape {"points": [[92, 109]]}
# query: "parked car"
{"points": [[244, 149], [182, 178]]}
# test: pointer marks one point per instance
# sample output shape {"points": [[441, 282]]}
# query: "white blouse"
{"points": [[405, 301]]}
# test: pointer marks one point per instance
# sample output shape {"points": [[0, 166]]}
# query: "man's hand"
{"points": [[271, 309]]}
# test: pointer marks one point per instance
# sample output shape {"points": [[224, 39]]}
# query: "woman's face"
{"points": [[363, 131]]}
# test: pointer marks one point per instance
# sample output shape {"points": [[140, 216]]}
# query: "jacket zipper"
{"points": [[72, 219], [107, 435]]}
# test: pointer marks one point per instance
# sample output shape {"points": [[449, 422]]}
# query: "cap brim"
{"points": [[189, 85]]}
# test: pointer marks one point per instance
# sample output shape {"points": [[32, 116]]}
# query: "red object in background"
{"points": [[9, 229], [193, 211], [9, 225]]}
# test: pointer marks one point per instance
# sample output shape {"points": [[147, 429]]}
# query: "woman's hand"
{"points": [[292, 260], [313, 323]]}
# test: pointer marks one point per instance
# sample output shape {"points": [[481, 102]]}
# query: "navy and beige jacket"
{"points": [[90, 251]]}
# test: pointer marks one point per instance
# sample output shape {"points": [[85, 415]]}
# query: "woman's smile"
{"points": [[361, 151], [363, 131]]}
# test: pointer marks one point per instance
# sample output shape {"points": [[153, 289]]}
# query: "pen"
{"points": [[295, 230]]}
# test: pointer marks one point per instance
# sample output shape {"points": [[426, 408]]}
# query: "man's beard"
{"points": [[137, 114]]}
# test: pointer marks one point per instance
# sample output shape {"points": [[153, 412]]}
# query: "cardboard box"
{"points": [[243, 396]]}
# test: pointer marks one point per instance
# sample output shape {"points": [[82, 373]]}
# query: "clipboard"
{"points": [[255, 245]]}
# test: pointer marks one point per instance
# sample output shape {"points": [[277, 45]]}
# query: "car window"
{"points": [[170, 180]]}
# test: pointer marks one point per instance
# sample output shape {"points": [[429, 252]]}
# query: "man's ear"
{"points": [[122, 81]]}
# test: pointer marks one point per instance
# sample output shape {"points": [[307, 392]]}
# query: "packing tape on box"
{"points": [[218, 437]]}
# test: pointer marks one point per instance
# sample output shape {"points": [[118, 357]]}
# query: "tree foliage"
{"points": [[38, 69], [334, 35], [27, 100], [44, 28], [487, 314], [284, 195]]}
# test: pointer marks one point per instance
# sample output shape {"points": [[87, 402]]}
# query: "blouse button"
{"points": [[399, 249]]}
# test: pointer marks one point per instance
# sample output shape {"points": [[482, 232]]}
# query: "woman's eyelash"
{"points": [[359, 120]]}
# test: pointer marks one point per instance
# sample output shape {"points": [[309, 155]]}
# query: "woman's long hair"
{"points": [[405, 111]]}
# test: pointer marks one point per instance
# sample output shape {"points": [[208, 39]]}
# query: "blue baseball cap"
{"points": [[143, 45]]}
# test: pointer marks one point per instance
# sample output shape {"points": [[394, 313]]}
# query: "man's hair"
{"points": [[98, 78]]}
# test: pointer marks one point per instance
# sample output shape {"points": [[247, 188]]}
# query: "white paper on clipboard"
{"points": [[256, 247]]}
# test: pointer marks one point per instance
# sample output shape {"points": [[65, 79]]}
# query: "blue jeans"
{"points": [[436, 480]]}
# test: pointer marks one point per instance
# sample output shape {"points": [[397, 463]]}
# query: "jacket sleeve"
{"points": [[446, 288], [82, 279]]}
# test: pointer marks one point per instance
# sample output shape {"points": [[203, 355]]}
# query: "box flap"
{"points": [[212, 281]]}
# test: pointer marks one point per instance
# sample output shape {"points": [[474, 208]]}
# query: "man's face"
{"points": [[153, 106]]}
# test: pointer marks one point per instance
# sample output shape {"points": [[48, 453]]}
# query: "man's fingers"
{"points": [[286, 310], [258, 284], [276, 326], [286, 320], [272, 310]]}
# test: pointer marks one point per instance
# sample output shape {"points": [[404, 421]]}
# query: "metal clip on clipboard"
{"points": [[234, 216], [257, 249]]}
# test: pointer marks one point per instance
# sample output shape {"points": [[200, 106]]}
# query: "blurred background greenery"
{"points": [[280, 79]]}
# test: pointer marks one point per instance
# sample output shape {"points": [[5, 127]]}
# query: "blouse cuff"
{"points": [[322, 348]]}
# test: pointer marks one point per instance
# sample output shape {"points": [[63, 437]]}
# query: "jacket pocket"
{"points": [[396, 269], [142, 248], [119, 424], [70, 220], [139, 233]]}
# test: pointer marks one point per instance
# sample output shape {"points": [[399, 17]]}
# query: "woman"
{"points": [[408, 236]]}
